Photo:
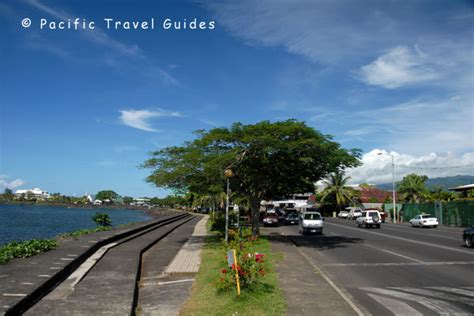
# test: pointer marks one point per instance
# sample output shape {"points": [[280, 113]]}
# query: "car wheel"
{"points": [[468, 241]]}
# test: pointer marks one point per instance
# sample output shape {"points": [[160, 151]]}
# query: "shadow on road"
{"points": [[319, 242]]}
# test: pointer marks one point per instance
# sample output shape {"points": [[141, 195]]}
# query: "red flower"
{"points": [[233, 266], [224, 270], [259, 257]]}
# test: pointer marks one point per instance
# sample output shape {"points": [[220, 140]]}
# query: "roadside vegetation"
{"points": [[214, 291], [33, 247], [25, 249]]}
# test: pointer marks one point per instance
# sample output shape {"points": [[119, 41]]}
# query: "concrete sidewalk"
{"points": [[188, 258], [306, 290], [163, 292]]}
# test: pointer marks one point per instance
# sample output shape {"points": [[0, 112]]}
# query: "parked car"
{"points": [[270, 219], [354, 213], [291, 218], [424, 220], [468, 236], [343, 214], [310, 222], [369, 219]]}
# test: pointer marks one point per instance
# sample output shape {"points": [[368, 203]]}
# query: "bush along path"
{"points": [[25, 249], [214, 291]]}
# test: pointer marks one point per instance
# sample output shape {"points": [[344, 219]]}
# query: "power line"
{"points": [[435, 168]]}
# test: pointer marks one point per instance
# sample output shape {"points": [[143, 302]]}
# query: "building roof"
{"points": [[372, 193]]}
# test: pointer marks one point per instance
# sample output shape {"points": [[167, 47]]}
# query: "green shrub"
{"points": [[25, 249], [251, 266], [81, 232], [102, 219], [218, 224]]}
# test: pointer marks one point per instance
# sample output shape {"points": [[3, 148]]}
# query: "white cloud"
{"points": [[5, 183], [401, 66], [376, 169], [140, 119]]}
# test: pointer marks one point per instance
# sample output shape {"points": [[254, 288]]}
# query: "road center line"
{"points": [[414, 232], [404, 239], [397, 264], [394, 253]]}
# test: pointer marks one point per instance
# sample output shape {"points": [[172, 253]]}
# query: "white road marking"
{"points": [[93, 241], [55, 268], [453, 290], [3, 275], [393, 253], [405, 239], [442, 296], [177, 281], [66, 259], [401, 264], [26, 283], [166, 282], [44, 276], [424, 234], [85, 246], [58, 263], [435, 305], [14, 294], [395, 306]]}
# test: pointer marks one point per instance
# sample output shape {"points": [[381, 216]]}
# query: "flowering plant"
{"points": [[251, 267]]}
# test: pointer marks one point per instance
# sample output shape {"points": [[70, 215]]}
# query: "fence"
{"points": [[453, 213]]}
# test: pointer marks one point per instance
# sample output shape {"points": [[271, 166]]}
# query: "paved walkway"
{"points": [[188, 258], [163, 292], [306, 290]]}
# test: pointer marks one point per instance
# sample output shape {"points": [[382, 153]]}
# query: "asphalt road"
{"points": [[394, 270]]}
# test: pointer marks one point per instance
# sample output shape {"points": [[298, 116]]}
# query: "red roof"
{"points": [[368, 195]]}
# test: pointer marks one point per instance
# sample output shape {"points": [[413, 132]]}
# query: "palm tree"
{"points": [[412, 188], [337, 190]]}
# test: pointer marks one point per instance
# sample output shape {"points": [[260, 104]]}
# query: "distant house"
{"points": [[372, 195], [97, 202], [35, 193]]}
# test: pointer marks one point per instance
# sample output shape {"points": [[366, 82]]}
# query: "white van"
{"points": [[310, 222]]}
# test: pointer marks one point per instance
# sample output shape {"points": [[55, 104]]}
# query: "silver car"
{"points": [[310, 222]]}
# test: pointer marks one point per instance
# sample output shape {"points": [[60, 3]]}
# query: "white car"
{"points": [[369, 219], [424, 220], [354, 213], [310, 222], [343, 214]]}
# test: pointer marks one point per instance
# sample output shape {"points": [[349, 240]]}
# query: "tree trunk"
{"points": [[255, 207]]}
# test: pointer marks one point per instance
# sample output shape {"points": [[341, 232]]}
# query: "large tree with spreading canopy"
{"points": [[268, 160]]}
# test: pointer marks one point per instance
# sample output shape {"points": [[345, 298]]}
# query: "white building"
{"points": [[33, 193]]}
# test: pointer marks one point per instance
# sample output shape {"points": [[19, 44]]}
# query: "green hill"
{"points": [[444, 182]]}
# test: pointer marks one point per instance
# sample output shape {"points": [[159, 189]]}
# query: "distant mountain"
{"points": [[444, 182]]}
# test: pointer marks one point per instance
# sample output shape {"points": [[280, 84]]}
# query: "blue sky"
{"points": [[80, 110]]}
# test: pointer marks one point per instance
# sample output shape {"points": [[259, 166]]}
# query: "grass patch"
{"points": [[81, 232], [266, 299], [25, 249]]}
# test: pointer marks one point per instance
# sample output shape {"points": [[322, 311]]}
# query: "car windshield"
{"points": [[372, 213], [312, 216]]}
